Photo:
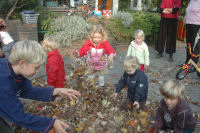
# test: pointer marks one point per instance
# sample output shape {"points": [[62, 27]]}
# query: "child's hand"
{"points": [[136, 104], [110, 59], [145, 67], [115, 94], [75, 54], [67, 92], [60, 126]]}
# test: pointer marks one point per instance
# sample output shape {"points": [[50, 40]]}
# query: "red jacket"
{"points": [[88, 45], [170, 4], [55, 69]]}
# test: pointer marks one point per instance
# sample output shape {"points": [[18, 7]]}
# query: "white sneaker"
{"points": [[101, 81]]}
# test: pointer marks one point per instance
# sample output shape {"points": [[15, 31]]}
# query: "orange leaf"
{"points": [[51, 131], [133, 123]]}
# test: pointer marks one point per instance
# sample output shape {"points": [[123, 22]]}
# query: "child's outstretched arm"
{"points": [[72, 94], [120, 85], [60, 126], [84, 49]]}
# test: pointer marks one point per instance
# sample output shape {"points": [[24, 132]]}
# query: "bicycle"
{"points": [[186, 68]]}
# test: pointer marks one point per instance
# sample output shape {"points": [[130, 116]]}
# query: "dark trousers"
{"points": [[191, 32], [167, 36], [5, 126]]}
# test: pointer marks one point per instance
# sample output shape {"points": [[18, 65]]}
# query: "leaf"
{"points": [[72, 103]]}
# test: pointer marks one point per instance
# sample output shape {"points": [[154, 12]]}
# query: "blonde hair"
{"points": [[131, 62], [172, 89], [140, 33], [97, 29], [29, 51], [49, 44]]}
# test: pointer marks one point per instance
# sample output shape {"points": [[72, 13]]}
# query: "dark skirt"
{"points": [[167, 36]]}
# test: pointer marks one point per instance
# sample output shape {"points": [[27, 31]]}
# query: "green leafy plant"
{"points": [[148, 22], [66, 29]]}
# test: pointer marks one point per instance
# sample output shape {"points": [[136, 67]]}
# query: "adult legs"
{"points": [[161, 37], [171, 38], [191, 32]]}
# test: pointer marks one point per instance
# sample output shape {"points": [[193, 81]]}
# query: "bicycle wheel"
{"points": [[181, 74]]}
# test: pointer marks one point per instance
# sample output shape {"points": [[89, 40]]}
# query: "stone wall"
{"points": [[21, 31]]}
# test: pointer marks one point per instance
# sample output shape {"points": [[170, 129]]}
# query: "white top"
{"points": [[140, 51], [5, 37]]}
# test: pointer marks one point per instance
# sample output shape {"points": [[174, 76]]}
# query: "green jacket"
{"points": [[140, 51]]}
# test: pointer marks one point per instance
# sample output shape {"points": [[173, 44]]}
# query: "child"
{"points": [[96, 48], [173, 112], [6, 39], [55, 68], [136, 82], [24, 61], [139, 49]]}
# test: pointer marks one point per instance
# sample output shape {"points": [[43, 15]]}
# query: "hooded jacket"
{"points": [[95, 54], [12, 87], [137, 85], [55, 69], [140, 51], [178, 118]]}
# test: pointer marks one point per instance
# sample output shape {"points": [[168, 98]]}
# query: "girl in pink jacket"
{"points": [[96, 48]]}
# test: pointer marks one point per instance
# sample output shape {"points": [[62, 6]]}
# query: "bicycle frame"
{"points": [[183, 71], [187, 66]]}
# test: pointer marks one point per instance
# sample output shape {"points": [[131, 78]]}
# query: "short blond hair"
{"points": [[130, 62], [140, 33], [49, 44], [97, 29], [29, 51], [172, 89]]}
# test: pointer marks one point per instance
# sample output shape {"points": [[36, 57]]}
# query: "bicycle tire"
{"points": [[198, 73], [182, 73]]}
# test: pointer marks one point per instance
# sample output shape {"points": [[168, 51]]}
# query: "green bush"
{"points": [[148, 22], [66, 29]]}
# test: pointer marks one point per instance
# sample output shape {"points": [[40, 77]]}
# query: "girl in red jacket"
{"points": [[55, 68], [96, 48]]}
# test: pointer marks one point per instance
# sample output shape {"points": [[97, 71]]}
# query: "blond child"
{"points": [[24, 61], [96, 47], [173, 112], [136, 82], [6, 39], [139, 49], [55, 68]]}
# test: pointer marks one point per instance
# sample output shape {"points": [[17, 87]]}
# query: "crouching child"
{"points": [[173, 112], [137, 83], [24, 61]]}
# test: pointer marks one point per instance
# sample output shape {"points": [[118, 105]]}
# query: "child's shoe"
{"points": [[101, 81]]}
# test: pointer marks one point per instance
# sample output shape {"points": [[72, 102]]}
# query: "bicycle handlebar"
{"points": [[190, 51]]}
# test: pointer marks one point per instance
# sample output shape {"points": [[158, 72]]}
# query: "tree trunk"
{"points": [[11, 10]]}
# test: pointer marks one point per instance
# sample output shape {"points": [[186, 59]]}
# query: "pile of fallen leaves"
{"points": [[96, 111]]}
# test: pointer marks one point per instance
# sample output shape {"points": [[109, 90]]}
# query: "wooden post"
{"points": [[132, 4], [139, 5], [115, 6]]}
